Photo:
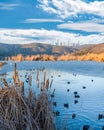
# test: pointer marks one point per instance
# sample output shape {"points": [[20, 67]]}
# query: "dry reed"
{"points": [[18, 112]]}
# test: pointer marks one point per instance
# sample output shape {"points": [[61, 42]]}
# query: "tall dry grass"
{"points": [[63, 57], [20, 112]]}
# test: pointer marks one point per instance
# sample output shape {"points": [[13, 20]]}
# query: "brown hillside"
{"points": [[97, 49]]}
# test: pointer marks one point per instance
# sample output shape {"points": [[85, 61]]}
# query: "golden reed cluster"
{"points": [[65, 57]]}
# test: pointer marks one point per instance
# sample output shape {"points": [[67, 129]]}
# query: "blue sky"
{"points": [[48, 21]]}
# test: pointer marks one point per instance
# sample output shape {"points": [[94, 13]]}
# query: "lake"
{"points": [[85, 78]]}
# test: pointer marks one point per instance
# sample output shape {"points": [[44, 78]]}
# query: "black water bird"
{"points": [[75, 101], [27, 78], [66, 105], [68, 90], [75, 92], [84, 87], [59, 75], [27, 81], [86, 127], [73, 116], [68, 82], [51, 76], [100, 116], [92, 80], [54, 103], [52, 95], [77, 96], [57, 113]]}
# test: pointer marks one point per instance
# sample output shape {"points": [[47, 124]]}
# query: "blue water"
{"points": [[79, 74], [79, 67]]}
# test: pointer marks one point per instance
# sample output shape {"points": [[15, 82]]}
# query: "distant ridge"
{"points": [[40, 48], [44, 52], [96, 48], [33, 48]]}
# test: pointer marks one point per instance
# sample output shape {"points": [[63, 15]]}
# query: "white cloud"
{"points": [[5, 6], [67, 8], [23, 36], [96, 20], [88, 26], [41, 20]]}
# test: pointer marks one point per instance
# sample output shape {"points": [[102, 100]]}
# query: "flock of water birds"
{"points": [[76, 97], [66, 105]]}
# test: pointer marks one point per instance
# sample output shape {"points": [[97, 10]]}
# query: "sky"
{"points": [[49, 21]]}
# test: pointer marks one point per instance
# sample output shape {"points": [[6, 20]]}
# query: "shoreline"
{"points": [[63, 57]]}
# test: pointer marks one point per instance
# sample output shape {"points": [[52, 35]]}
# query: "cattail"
{"points": [[47, 84], [0, 88], [37, 78], [5, 83], [51, 83], [44, 71], [30, 80]]}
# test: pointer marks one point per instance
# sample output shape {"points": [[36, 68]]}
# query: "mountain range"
{"points": [[96, 48], [39, 48], [33, 48]]}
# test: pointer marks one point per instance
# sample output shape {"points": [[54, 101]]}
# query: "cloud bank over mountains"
{"points": [[18, 36]]}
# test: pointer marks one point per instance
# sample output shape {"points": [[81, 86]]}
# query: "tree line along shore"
{"points": [[64, 57]]}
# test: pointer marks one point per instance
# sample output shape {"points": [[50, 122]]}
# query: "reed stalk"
{"points": [[18, 112]]}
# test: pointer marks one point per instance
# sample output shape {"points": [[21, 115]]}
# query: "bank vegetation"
{"points": [[65, 57]]}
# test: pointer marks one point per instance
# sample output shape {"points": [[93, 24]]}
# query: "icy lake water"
{"points": [[85, 78]]}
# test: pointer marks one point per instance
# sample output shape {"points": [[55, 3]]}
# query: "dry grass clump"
{"points": [[43, 57], [19, 57], [20, 112], [64, 57], [15, 113]]}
